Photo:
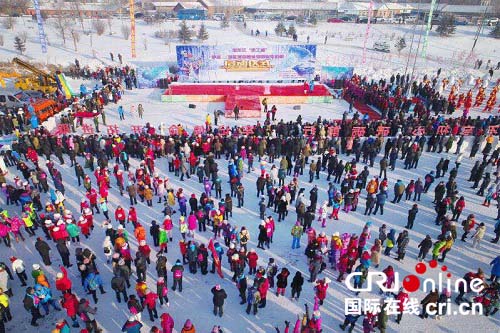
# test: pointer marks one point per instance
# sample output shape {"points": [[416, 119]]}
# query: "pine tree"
{"points": [[446, 26], [495, 33], [19, 44], [400, 44], [184, 33], [202, 33], [291, 30], [280, 29]]}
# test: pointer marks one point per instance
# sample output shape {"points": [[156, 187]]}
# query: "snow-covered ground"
{"points": [[195, 300]]}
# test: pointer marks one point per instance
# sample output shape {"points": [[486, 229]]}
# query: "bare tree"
{"points": [[125, 31], [109, 19], [8, 22], [24, 36], [77, 12], [98, 26], [75, 35], [62, 24]]}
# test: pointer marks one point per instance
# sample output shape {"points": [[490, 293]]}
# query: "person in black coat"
{"points": [[119, 285], [44, 250], [296, 285], [218, 299], [412, 214], [161, 266], [425, 245], [30, 306], [64, 253], [262, 238], [282, 281], [154, 231]]}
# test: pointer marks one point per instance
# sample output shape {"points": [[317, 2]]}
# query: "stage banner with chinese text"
{"points": [[206, 63]]}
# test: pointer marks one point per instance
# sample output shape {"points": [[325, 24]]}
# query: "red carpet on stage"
{"points": [[365, 109], [243, 102], [245, 90]]}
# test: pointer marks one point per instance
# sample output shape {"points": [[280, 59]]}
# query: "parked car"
{"points": [[382, 47], [10, 101], [362, 20], [218, 16], [291, 18], [491, 21], [335, 20]]}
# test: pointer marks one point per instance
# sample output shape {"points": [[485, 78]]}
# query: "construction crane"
{"points": [[43, 81]]}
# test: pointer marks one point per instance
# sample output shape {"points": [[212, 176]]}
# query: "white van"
{"points": [[10, 101], [218, 16]]}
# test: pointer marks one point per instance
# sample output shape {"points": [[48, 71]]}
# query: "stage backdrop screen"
{"points": [[207, 63]]}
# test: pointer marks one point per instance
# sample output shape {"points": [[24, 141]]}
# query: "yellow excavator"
{"points": [[40, 80], [5, 75]]}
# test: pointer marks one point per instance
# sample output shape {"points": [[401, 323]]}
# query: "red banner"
{"points": [[216, 258]]}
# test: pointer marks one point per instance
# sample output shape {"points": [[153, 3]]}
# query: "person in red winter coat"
{"points": [[150, 304], [145, 250], [252, 258], [70, 303], [321, 288], [92, 196], [263, 289], [403, 298], [132, 216], [459, 207], [167, 323], [84, 226], [120, 215], [63, 283]]}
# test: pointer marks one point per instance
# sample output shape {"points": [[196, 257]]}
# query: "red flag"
{"points": [[216, 258]]}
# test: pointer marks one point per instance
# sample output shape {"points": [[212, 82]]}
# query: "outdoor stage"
{"points": [[247, 96]]}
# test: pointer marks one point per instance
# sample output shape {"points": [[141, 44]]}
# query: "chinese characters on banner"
{"points": [[332, 131]]}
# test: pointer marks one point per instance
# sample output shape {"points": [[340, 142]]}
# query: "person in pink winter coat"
{"points": [[270, 227], [167, 323], [311, 235], [243, 153], [4, 233], [15, 227], [192, 222]]}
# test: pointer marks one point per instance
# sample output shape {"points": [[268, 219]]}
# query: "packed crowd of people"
{"points": [[126, 164]]}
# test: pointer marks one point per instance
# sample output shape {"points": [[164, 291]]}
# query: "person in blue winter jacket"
{"points": [[132, 326], [495, 270], [91, 283], [121, 112], [44, 294], [380, 202]]}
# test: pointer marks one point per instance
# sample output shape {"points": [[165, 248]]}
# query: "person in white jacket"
{"points": [[20, 269], [478, 235]]}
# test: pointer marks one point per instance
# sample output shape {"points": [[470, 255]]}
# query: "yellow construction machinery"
{"points": [[40, 80], [5, 75]]}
